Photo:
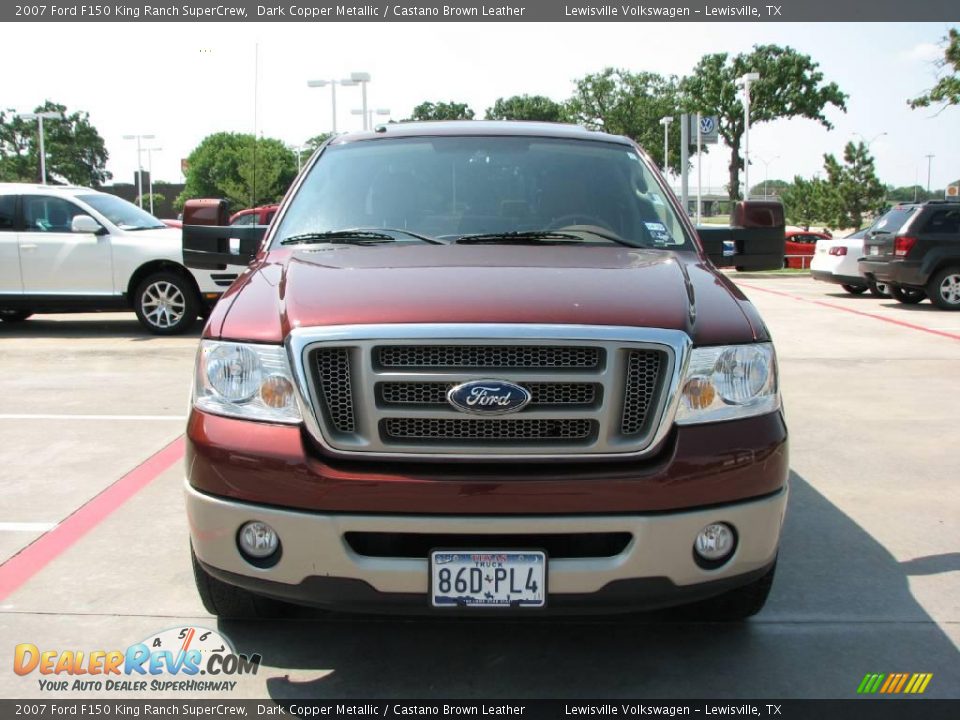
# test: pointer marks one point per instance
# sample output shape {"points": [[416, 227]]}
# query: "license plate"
{"points": [[874, 249], [488, 578]]}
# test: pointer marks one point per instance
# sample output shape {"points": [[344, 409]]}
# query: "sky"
{"points": [[182, 81]]}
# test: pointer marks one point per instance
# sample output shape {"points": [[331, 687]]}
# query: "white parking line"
{"points": [[180, 418], [26, 526]]}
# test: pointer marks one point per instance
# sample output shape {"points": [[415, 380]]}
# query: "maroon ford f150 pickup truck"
{"points": [[484, 368]]}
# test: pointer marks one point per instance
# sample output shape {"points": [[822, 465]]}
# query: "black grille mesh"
{"points": [[333, 376], [456, 430], [643, 374], [487, 356], [435, 393]]}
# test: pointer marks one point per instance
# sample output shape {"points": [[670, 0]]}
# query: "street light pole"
{"points": [[871, 140], [150, 152], [766, 171], [333, 95], [138, 138], [39, 117], [363, 78], [745, 81], [368, 115], [929, 163], [665, 121]]}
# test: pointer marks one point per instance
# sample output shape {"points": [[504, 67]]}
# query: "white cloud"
{"points": [[923, 52]]}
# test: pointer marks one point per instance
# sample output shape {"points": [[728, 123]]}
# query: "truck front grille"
{"points": [[413, 394], [482, 357], [446, 430], [389, 397]]}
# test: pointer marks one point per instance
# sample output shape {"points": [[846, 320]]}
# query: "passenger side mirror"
{"points": [[85, 224]]}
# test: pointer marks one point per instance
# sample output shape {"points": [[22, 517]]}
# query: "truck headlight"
{"points": [[245, 380], [729, 382]]}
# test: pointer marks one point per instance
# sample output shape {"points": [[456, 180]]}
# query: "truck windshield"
{"points": [[485, 188]]}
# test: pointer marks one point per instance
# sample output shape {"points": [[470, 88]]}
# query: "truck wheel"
{"points": [[908, 296], [230, 602], [733, 605], [14, 316], [879, 289], [854, 289], [166, 303], [944, 289]]}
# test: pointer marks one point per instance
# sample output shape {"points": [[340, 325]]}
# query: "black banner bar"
{"points": [[482, 10], [854, 709]]}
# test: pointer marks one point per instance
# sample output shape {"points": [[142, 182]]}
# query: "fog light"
{"points": [[715, 543], [258, 540]]}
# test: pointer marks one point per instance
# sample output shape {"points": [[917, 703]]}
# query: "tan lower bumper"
{"points": [[313, 544]]}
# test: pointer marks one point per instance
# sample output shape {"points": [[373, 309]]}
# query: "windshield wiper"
{"points": [[357, 236], [517, 237]]}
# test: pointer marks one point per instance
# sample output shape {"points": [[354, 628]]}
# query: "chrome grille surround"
{"points": [[605, 417]]}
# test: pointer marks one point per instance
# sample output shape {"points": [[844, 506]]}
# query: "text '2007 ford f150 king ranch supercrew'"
{"points": [[483, 368]]}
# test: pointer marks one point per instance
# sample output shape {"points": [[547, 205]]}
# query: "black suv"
{"points": [[915, 249]]}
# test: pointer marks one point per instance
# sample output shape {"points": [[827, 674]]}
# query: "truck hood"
{"points": [[595, 285]]}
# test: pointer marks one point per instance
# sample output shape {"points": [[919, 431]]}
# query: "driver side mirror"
{"points": [[85, 224]]}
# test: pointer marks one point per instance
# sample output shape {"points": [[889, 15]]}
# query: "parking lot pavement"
{"points": [[868, 581]]}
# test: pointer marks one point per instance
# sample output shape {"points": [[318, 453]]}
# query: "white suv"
{"points": [[73, 249]]}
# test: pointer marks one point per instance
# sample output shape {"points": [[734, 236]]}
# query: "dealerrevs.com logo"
{"points": [[188, 659]]}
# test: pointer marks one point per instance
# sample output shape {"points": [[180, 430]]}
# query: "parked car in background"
{"points": [[254, 216], [835, 261], [72, 249], [915, 248], [803, 243]]}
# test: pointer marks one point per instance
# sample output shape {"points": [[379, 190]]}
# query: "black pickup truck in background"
{"points": [[915, 249]]}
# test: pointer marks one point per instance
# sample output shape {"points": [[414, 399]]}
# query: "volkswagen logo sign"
{"points": [[488, 397]]}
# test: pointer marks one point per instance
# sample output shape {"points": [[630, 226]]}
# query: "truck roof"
{"points": [[502, 128]]}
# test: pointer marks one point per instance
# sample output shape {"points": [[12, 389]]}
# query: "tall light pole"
{"points": [[40, 117], [929, 163], [368, 116], [138, 138], [766, 171], [745, 82], [333, 93], [665, 121], [363, 78], [150, 152], [870, 142]]}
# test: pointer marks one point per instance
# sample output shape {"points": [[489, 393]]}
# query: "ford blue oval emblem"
{"points": [[488, 397]]}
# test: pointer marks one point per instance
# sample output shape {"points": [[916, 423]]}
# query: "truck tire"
{"points": [[879, 289], [908, 296], [944, 289], [166, 303], [230, 602], [14, 316], [733, 605], [855, 289]]}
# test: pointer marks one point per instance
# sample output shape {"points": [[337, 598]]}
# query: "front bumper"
{"points": [[317, 566]]}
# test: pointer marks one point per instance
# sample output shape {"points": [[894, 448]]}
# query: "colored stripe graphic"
{"points": [[894, 683]]}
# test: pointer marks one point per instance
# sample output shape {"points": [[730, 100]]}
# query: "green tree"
{"points": [[854, 185], [626, 103], [76, 154], [527, 107], [231, 166], [909, 193], [806, 202], [442, 111], [790, 85], [769, 187], [947, 90]]}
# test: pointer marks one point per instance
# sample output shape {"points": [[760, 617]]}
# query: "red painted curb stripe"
{"points": [[901, 323], [33, 558]]}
